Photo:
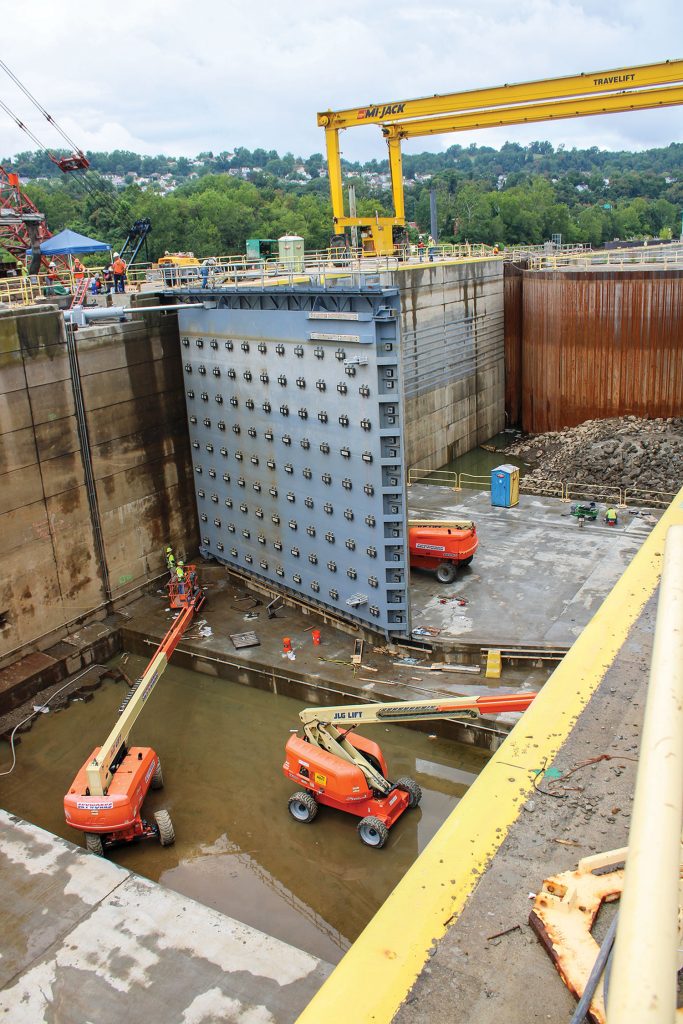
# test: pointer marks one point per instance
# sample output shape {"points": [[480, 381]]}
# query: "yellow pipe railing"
{"points": [[642, 987]]}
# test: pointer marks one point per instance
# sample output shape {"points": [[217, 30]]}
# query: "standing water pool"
{"points": [[237, 847]]}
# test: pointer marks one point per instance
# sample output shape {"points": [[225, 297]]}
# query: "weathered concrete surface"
{"points": [[48, 568], [320, 674], [85, 940], [50, 572], [132, 388], [473, 977], [452, 346], [536, 578], [42, 671]]}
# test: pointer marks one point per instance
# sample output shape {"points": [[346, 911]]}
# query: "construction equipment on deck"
{"points": [[135, 239], [602, 92], [105, 799], [583, 511], [341, 769], [442, 545], [22, 225]]}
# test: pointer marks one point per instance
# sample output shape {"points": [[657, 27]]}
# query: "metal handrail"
{"points": [[322, 265], [479, 480], [566, 490], [647, 932], [662, 499], [551, 489], [446, 477], [667, 255]]}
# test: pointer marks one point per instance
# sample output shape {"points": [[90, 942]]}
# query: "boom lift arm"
{"points": [[339, 768], [106, 797], [100, 770], [622, 89], [328, 728]]}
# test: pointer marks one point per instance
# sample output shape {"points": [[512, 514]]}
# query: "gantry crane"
{"points": [[341, 769], [587, 94]]}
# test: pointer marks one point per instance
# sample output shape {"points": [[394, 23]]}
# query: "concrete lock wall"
{"points": [[48, 567], [452, 341], [51, 572], [132, 390]]}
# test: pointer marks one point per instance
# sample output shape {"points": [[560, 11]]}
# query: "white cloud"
{"points": [[167, 76]]}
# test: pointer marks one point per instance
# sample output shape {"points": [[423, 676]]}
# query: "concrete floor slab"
{"points": [[85, 940], [319, 674], [537, 577]]}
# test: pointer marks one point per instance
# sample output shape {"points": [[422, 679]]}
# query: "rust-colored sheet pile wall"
{"points": [[597, 344]]}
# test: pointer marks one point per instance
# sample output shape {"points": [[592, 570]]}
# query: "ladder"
{"points": [[80, 293]]}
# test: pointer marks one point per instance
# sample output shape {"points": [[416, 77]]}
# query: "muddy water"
{"points": [[237, 848], [479, 462]]}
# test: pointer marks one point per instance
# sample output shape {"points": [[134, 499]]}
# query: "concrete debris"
{"points": [[624, 452]]}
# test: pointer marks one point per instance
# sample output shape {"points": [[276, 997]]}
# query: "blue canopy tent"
{"points": [[70, 243]]}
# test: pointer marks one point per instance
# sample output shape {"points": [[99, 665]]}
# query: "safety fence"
{"points": [[661, 256], [566, 491], [323, 266]]}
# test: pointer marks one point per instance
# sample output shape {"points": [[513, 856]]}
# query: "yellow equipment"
{"points": [[584, 95]]}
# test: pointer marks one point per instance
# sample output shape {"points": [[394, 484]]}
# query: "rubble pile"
{"points": [[626, 452]]}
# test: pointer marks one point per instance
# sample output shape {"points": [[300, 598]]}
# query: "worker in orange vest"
{"points": [[119, 269], [79, 270]]}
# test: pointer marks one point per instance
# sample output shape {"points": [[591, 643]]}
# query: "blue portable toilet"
{"points": [[505, 486]]}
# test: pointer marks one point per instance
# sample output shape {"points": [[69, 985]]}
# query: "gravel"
{"points": [[636, 455]]}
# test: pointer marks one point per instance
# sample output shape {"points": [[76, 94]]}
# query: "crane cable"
{"points": [[95, 191], [24, 128], [39, 106]]}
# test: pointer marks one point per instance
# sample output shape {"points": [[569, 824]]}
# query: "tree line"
{"points": [[515, 195]]}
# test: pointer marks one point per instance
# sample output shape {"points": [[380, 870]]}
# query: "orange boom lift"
{"points": [[338, 768], [106, 797], [442, 545]]}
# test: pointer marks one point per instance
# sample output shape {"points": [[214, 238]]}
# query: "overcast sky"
{"points": [[165, 76]]}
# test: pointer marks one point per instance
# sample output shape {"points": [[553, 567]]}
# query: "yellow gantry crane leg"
{"points": [[600, 92]]}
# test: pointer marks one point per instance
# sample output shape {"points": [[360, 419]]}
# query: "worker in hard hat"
{"points": [[611, 516], [52, 275], [170, 558], [119, 270], [206, 270], [180, 576]]}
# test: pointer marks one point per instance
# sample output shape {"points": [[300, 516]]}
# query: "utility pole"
{"points": [[432, 215], [352, 213]]}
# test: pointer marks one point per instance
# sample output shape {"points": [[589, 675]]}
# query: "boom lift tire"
{"points": [[465, 562], [372, 831], [410, 787], [158, 778], [303, 807], [445, 572], [93, 844], [165, 826]]}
